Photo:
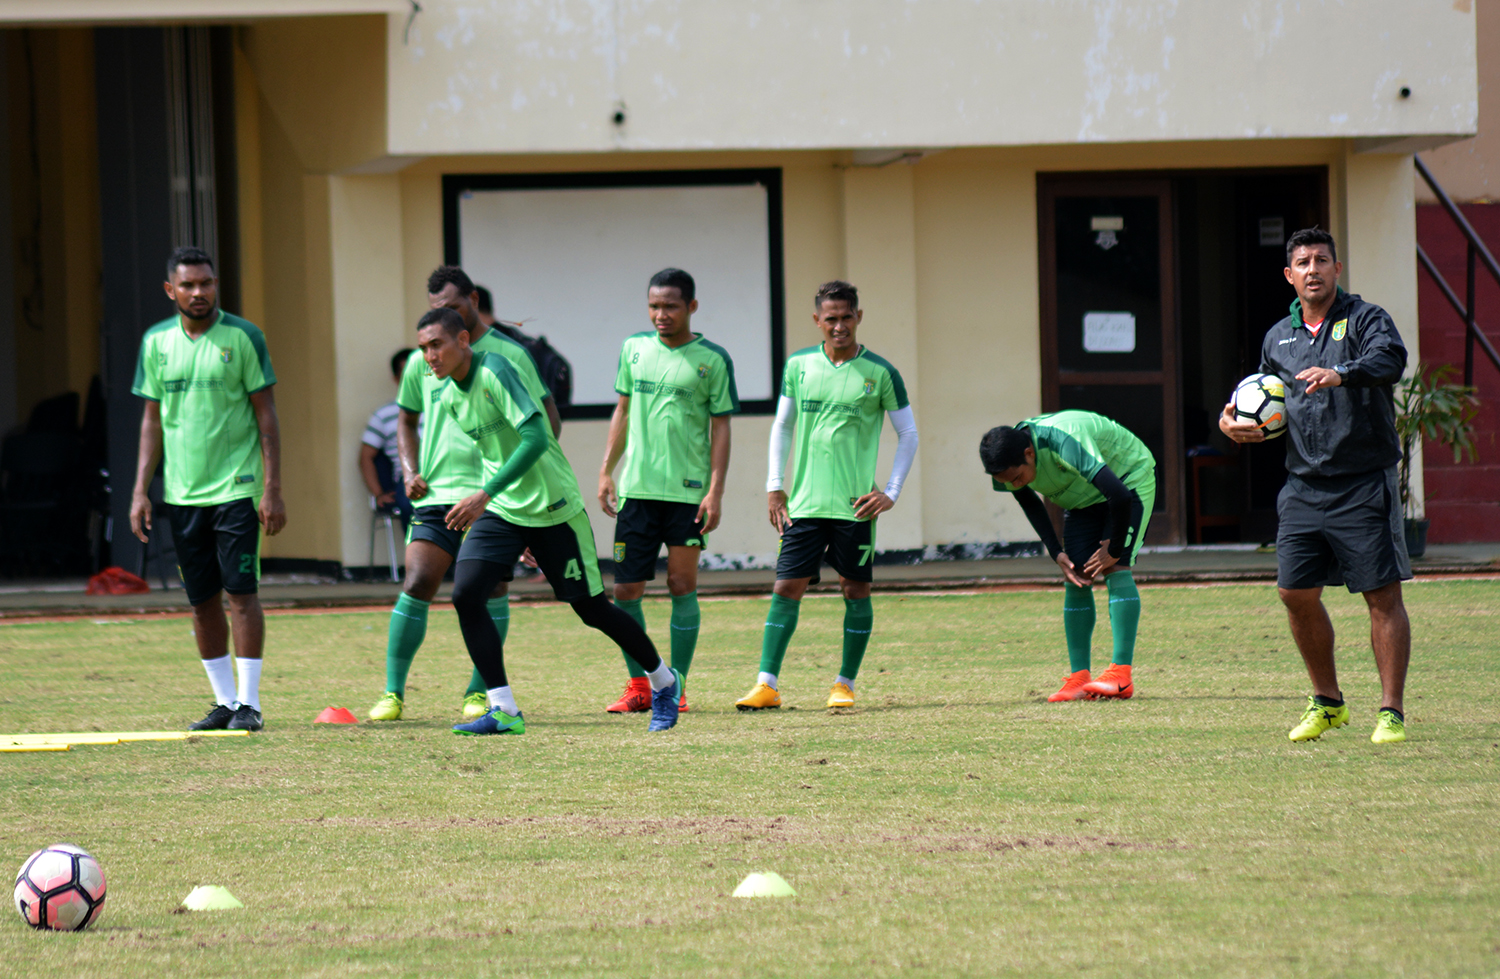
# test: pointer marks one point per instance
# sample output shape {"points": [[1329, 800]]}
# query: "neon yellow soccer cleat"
{"points": [[387, 708], [1388, 728], [840, 696], [476, 705], [1317, 719], [763, 697]]}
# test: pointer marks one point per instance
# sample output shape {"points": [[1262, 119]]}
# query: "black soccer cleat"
{"points": [[218, 719], [246, 718]]}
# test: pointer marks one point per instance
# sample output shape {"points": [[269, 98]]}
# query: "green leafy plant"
{"points": [[1428, 408]]}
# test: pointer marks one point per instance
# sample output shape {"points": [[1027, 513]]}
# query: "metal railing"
{"points": [[1477, 253]]}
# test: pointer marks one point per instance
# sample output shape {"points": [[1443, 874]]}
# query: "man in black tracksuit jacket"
{"points": [[1339, 513]]}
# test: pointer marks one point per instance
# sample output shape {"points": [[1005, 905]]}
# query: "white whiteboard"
{"points": [[573, 265]]}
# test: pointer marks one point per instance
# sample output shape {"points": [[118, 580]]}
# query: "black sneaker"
{"points": [[246, 718], [217, 720]]}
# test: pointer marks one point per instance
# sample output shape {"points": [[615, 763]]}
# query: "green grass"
{"points": [[953, 824]]}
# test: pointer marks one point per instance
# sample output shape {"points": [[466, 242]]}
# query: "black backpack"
{"points": [[555, 371]]}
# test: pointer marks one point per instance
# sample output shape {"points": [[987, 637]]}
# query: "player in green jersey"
{"points": [[529, 500], [676, 393], [835, 397], [440, 468], [1104, 478], [207, 379]]}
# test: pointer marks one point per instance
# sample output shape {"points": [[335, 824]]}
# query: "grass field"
{"points": [[952, 824]]}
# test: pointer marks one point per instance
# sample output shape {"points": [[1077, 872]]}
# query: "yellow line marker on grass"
{"points": [[97, 737], [34, 747]]}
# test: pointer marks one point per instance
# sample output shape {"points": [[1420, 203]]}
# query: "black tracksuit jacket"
{"points": [[1349, 429]]}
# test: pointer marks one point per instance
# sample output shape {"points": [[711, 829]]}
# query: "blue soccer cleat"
{"points": [[665, 705], [496, 721]]}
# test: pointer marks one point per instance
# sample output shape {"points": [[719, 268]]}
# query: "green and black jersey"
{"points": [[840, 411], [210, 440], [488, 406], [448, 459], [674, 392], [1072, 446]]}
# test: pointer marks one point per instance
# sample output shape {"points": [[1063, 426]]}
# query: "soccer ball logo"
{"points": [[61, 888], [1261, 399]]}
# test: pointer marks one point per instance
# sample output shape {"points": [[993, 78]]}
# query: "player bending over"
{"points": [[441, 466], [1104, 478], [835, 396], [530, 499], [676, 395]]}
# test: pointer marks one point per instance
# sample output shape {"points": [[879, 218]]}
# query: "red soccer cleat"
{"points": [[636, 698]]}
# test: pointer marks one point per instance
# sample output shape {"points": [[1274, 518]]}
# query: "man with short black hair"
{"points": [[528, 499], [206, 376], [834, 397], [379, 461], [677, 392], [441, 466], [1340, 512], [1104, 478]]}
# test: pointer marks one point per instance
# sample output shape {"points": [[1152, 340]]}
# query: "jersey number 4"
{"points": [[572, 570]]}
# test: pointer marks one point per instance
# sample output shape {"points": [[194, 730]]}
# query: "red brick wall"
{"points": [[1463, 500]]}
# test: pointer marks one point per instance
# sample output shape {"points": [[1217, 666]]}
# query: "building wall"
{"points": [[1469, 170]]}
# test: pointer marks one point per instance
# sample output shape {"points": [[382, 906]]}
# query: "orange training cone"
{"points": [[335, 715]]}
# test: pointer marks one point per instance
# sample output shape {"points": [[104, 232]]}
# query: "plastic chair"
{"points": [[378, 514]]}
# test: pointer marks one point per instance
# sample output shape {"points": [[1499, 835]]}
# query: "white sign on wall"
{"points": [[1109, 333]]}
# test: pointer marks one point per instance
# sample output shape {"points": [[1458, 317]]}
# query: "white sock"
{"points": [[221, 677], [662, 677], [502, 698], [249, 691], [769, 679], [846, 682]]}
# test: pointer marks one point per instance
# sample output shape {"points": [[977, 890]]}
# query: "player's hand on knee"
{"points": [[140, 516], [1099, 563], [1070, 573]]}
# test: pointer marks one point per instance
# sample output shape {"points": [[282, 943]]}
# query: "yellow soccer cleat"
{"points": [[1317, 719], [840, 696], [476, 705], [763, 697], [387, 708], [1389, 728]]}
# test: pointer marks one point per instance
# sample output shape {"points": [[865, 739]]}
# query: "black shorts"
{"points": [[1086, 527], [564, 552], [427, 524], [1341, 530], [849, 545], [218, 549], [641, 529]]}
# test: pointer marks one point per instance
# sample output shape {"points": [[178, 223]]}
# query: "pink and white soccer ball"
{"points": [[61, 888]]}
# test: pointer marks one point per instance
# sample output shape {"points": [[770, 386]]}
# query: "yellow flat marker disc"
{"points": [[33, 747], [97, 737]]}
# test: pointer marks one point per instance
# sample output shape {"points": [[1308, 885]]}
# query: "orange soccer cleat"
{"points": [[1113, 683], [1073, 688], [635, 700]]}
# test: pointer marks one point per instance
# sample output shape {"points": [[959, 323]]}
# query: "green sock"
{"points": [[781, 622], [1078, 625], [859, 618], [407, 630], [1124, 614], [632, 608], [685, 622], [499, 609]]}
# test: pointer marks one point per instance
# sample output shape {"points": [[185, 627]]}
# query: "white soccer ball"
{"points": [[1261, 400], [60, 887]]}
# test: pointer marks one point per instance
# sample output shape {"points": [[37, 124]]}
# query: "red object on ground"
{"points": [[117, 581], [335, 715]]}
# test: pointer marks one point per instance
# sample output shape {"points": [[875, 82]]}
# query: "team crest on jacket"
{"points": [[869, 385], [702, 370], [226, 354], [1339, 328]]}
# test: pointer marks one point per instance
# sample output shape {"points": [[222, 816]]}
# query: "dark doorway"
{"points": [[1156, 291]]}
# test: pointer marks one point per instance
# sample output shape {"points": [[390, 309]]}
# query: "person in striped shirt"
{"points": [[378, 459]]}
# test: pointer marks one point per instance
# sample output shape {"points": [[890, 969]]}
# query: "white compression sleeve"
{"points": [[781, 441], [905, 424]]}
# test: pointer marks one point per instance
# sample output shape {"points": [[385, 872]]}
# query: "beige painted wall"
{"points": [[1470, 170], [547, 77]]}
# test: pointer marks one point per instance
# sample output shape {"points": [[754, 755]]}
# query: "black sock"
{"points": [[596, 612], [1323, 701], [473, 583], [1391, 710]]}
